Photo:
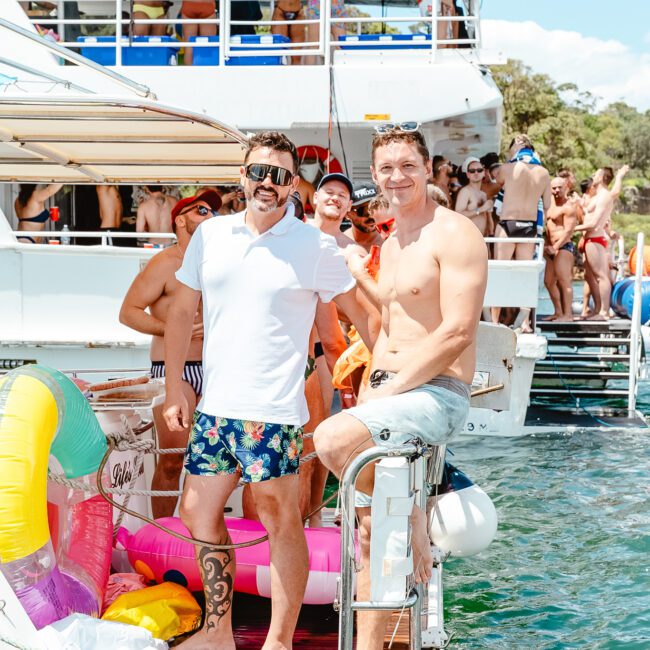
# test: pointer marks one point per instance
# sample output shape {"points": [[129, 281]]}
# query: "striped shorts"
{"points": [[192, 374]]}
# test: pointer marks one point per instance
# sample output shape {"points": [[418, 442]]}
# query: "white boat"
{"points": [[367, 86]]}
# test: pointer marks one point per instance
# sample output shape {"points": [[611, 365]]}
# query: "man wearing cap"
{"points": [[472, 200], [364, 229], [153, 289], [260, 274]]}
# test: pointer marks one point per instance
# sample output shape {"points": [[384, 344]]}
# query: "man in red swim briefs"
{"points": [[597, 215]]}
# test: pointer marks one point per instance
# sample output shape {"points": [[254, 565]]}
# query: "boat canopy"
{"points": [[87, 140]]}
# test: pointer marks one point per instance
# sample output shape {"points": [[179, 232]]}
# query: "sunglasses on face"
{"points": [[201, 209], [361, 211], [279, 175], [386, 226], [476, 170], [397, 126]]}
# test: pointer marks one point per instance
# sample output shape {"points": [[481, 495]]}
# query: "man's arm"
{"points": [[618, 181], [141, 219], [178, 331], [361, 313], [547, 196], [329, 332], [358, 266], [463, 277], [569, 223], [147, 287], [597, 217]]}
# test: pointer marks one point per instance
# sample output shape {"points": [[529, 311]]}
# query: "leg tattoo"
{"points": [[217, 574]]}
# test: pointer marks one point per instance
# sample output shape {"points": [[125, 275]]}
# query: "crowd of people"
{"points": [[287, 15]]}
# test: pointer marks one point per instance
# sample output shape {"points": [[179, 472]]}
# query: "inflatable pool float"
{"points": [[42, 412], [159, 556]]}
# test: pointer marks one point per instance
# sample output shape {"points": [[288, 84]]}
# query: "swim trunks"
{"points": [[192, 374], [152, 12], [434, 412], [598, 240], [260, 451], [514, 228], [570, 247], [198, 9], [312, 9]]}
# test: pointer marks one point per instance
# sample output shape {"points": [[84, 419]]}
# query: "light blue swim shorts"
{"points": [[434, 412]]}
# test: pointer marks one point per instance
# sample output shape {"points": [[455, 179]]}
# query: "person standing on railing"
{"points": [[199, 10], [153, 290], [431, 287], [150, 10]]}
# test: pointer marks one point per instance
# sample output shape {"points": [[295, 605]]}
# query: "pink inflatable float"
{"points": [[159, 556]]}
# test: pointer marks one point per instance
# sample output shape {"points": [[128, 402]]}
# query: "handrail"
{"points": [[635, 330], [322, 48]]}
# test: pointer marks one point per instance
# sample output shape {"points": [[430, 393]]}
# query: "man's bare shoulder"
{"points": [[166, 262], [451, 230]]}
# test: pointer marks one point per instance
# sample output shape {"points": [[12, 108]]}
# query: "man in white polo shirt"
{"points": [[260, 273]]}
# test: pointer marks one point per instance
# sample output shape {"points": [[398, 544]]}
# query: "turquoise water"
{"points": [[569, 567]]}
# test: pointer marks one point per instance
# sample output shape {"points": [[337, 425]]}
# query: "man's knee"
{"points": [[276, 512], [169, 466], [202, 523]]}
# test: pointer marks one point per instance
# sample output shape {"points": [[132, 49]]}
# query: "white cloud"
{"points": [[607, 69]]}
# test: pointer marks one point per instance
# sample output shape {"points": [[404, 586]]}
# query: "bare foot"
{"points": [[564, 319], [548, 318], [421, 545], [204, 641], [526, 328], [597, 317]]}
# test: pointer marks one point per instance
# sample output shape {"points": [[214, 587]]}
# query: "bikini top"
{"points": [[39, 218]]}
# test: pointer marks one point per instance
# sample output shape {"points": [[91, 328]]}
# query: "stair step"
{"points": [[588, 341], [577, 356], [614, 325], [578, 392], [580, 374]]}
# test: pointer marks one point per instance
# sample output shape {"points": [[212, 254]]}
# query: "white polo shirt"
{"points": [[259, 302]]}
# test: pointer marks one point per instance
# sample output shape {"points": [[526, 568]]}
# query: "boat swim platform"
{"points": [[549, 419]]}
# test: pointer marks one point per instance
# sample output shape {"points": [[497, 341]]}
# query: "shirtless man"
{"points": [[155, 213], [561, 222], [431, 286], [110, 208], [472, 200], [524, 182], [364, 229], [596, 245], [154, 289]]}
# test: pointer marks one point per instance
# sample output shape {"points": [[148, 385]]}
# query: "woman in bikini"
{"points": [[150, 10], [30, 209], [197, 9]]}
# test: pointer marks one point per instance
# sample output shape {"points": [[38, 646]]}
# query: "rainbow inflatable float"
{"points": [[53, 574]]}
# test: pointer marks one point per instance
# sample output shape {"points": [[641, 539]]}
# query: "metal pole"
{"points": [[635, 328], [118, 31], [326, 29], [348, 560]]}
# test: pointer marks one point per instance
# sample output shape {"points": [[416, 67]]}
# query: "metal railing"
{"points": [[425, 27], [105, 236]]}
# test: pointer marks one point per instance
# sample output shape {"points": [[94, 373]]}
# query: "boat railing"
{"points": [[635, 332], [104, 235], [424, 30]]}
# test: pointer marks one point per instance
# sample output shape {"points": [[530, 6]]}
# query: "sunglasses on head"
{"points": [[201, 209], [385, 227], [397, 126], [258, 172], [476, 170]]}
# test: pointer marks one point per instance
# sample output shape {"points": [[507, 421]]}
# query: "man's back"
{"points": [[524, 185], [155, 215]]}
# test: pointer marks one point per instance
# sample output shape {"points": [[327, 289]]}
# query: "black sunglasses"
{"points": [[397, 126], [201, 209], [279, 175], [476, 170]]}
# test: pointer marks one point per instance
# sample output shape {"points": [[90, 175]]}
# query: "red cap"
{"points": [[211, 197]]}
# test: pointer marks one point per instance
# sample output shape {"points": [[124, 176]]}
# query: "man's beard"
{"points": [[261, 206]]}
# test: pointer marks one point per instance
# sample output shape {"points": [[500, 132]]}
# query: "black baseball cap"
{"points": [[342, 178], [363, 192]]}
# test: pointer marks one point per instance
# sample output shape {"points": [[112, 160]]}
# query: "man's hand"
{"points": [[176, 411], [487, 206], [623, 170], [550, 251], [357, 264]]}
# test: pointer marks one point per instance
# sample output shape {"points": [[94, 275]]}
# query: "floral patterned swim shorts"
{"points": [[259, 450]]}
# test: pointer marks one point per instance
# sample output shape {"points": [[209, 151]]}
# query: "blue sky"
{"points": [[602, 46], [628, 22]]}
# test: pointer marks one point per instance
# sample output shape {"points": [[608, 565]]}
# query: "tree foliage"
{"points": [[567, 128]]}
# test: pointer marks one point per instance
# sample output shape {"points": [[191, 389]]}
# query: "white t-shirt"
{"points": [[259, 302]]}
